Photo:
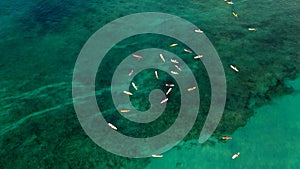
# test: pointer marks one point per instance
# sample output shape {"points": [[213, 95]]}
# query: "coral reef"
{"points": [[38, 124]]}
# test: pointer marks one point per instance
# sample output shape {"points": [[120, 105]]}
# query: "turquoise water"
{"points": [[41, 39], [270, 140]]}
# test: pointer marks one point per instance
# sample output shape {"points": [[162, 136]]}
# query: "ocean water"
{"points": [[40, 41], [269, 140]]}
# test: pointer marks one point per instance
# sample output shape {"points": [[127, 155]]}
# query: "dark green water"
{"points": [[40, 41]]}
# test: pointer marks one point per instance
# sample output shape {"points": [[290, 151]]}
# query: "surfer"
{"points": [[134, 86], [169, 85], [138, 57], [174, 73], [228, 2], [164, 101], [128, 93], [174, 44], [236, 155], [156, 74], [191, 89], [124, 111], [169, 91], [226, 138], [187, 51], [174, 61], [112, 126], [162, 57], [131, 72], [234, 68], [235, 14], [177, 67], [198, 57], [252, 29], [157, 155], [198, 31]]}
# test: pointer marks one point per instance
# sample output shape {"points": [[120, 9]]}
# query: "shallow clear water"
{"points": [[270, 140], [41, 39]]}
